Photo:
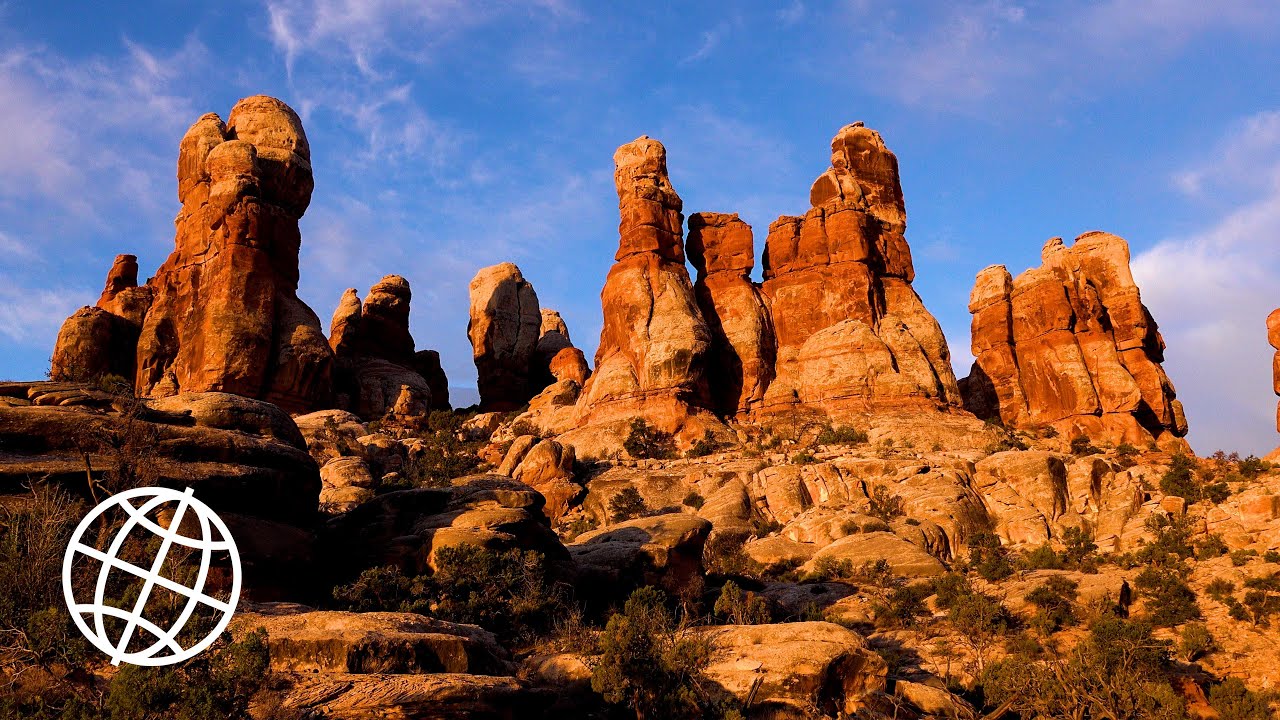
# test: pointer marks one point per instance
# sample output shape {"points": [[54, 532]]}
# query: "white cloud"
{"points": [[967, 56], [1212, 290], [793, 13], [709, 40], [29, 314]]}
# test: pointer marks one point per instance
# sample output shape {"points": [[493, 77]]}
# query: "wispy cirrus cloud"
{"points": [[1212, 289]]}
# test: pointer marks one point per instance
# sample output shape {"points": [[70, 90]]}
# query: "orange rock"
{"points": [[222, 313], [742, 352], [504, 329], [851, 333], [654, 345], [378, 373], [1069, 344], [1273, 337]]}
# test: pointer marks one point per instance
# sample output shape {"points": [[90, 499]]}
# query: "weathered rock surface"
{"points": [[225, 314], [651, 360], [743, 343], [793, 669], [245, 458], [378, 372], [663, 550], [103, 339], [444, 696], [305, 640], [505, 329], [1070, 345], [545, 466], [851, 333], [407, 528]]}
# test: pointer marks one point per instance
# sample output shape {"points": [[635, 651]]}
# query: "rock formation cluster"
{"points": [[1273, 337], [1070, 345], [222, 312]]}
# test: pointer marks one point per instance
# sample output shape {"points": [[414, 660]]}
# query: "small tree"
{"points": [[646, 442], [1195, 641], [741, 607], [649, 663], [627, 504], [885, 505]]}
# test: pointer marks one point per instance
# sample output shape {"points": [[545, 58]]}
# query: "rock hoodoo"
{"points": [[743, 343], [851, 332], [378, 371], [222, 313], [654, 346], [505, 328], [1070, 344]]}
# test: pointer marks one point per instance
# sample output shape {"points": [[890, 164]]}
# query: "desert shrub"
{"points": [[989, 558], [1043, 557], [1171, 540], [693, 500], [381, 589], [884, 504], [506, 592], [649, 663], [1005, 440], [1082, 446], [627, 504], [646, 442], [1220, 589], [1127, 455], [443, 453], [1251, 467], [1123, 667], [741, 607], [1234, 701], [804, 457], [520, 428], [1079, 548], [1169, 601], [1240, 558], [875, 526], [1210, 547], [1194, 641], [723, 555], [980, 619], [1271, 556], [1183, 480], [115, 384], [1054, 600], [704, 446], [581, 524], [903, 606], [1262, 598], [842, 435]]}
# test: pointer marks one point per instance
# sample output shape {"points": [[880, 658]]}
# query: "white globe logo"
{"points": [[165, 650]]}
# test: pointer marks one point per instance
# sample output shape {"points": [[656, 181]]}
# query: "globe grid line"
{"points": [[165, 640]]}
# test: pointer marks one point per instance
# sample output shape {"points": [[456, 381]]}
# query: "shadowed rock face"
{"points": [[378, 373], [743, 344], [222, 313], [504, 328], [1070, 344]]}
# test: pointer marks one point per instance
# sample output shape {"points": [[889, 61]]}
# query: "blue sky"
{"points": [[451, 135]]}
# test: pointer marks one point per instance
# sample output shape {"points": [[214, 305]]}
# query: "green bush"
{"points": [[693, 500], [1234, 701], [1240, 558], [382, 589], [627, 504], [903, 607], [741, 607], [650, 664], [1054, 600], [1195, 641], [1169, 601], [842, 435], [1082, 446], [706, 445], [804, 457], [1210, 547], [1182, 480], [885, 505], [989, 558], [646, 442], [1262, 598], [1251, 467]]}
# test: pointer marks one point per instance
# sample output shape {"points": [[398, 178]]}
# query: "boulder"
{"points": [[789, 670], [904, 558], [442, 696], [305, 640], [663, 550]]}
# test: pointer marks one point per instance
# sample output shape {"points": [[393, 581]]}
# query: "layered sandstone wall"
{"points": [[1070, 345]]}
